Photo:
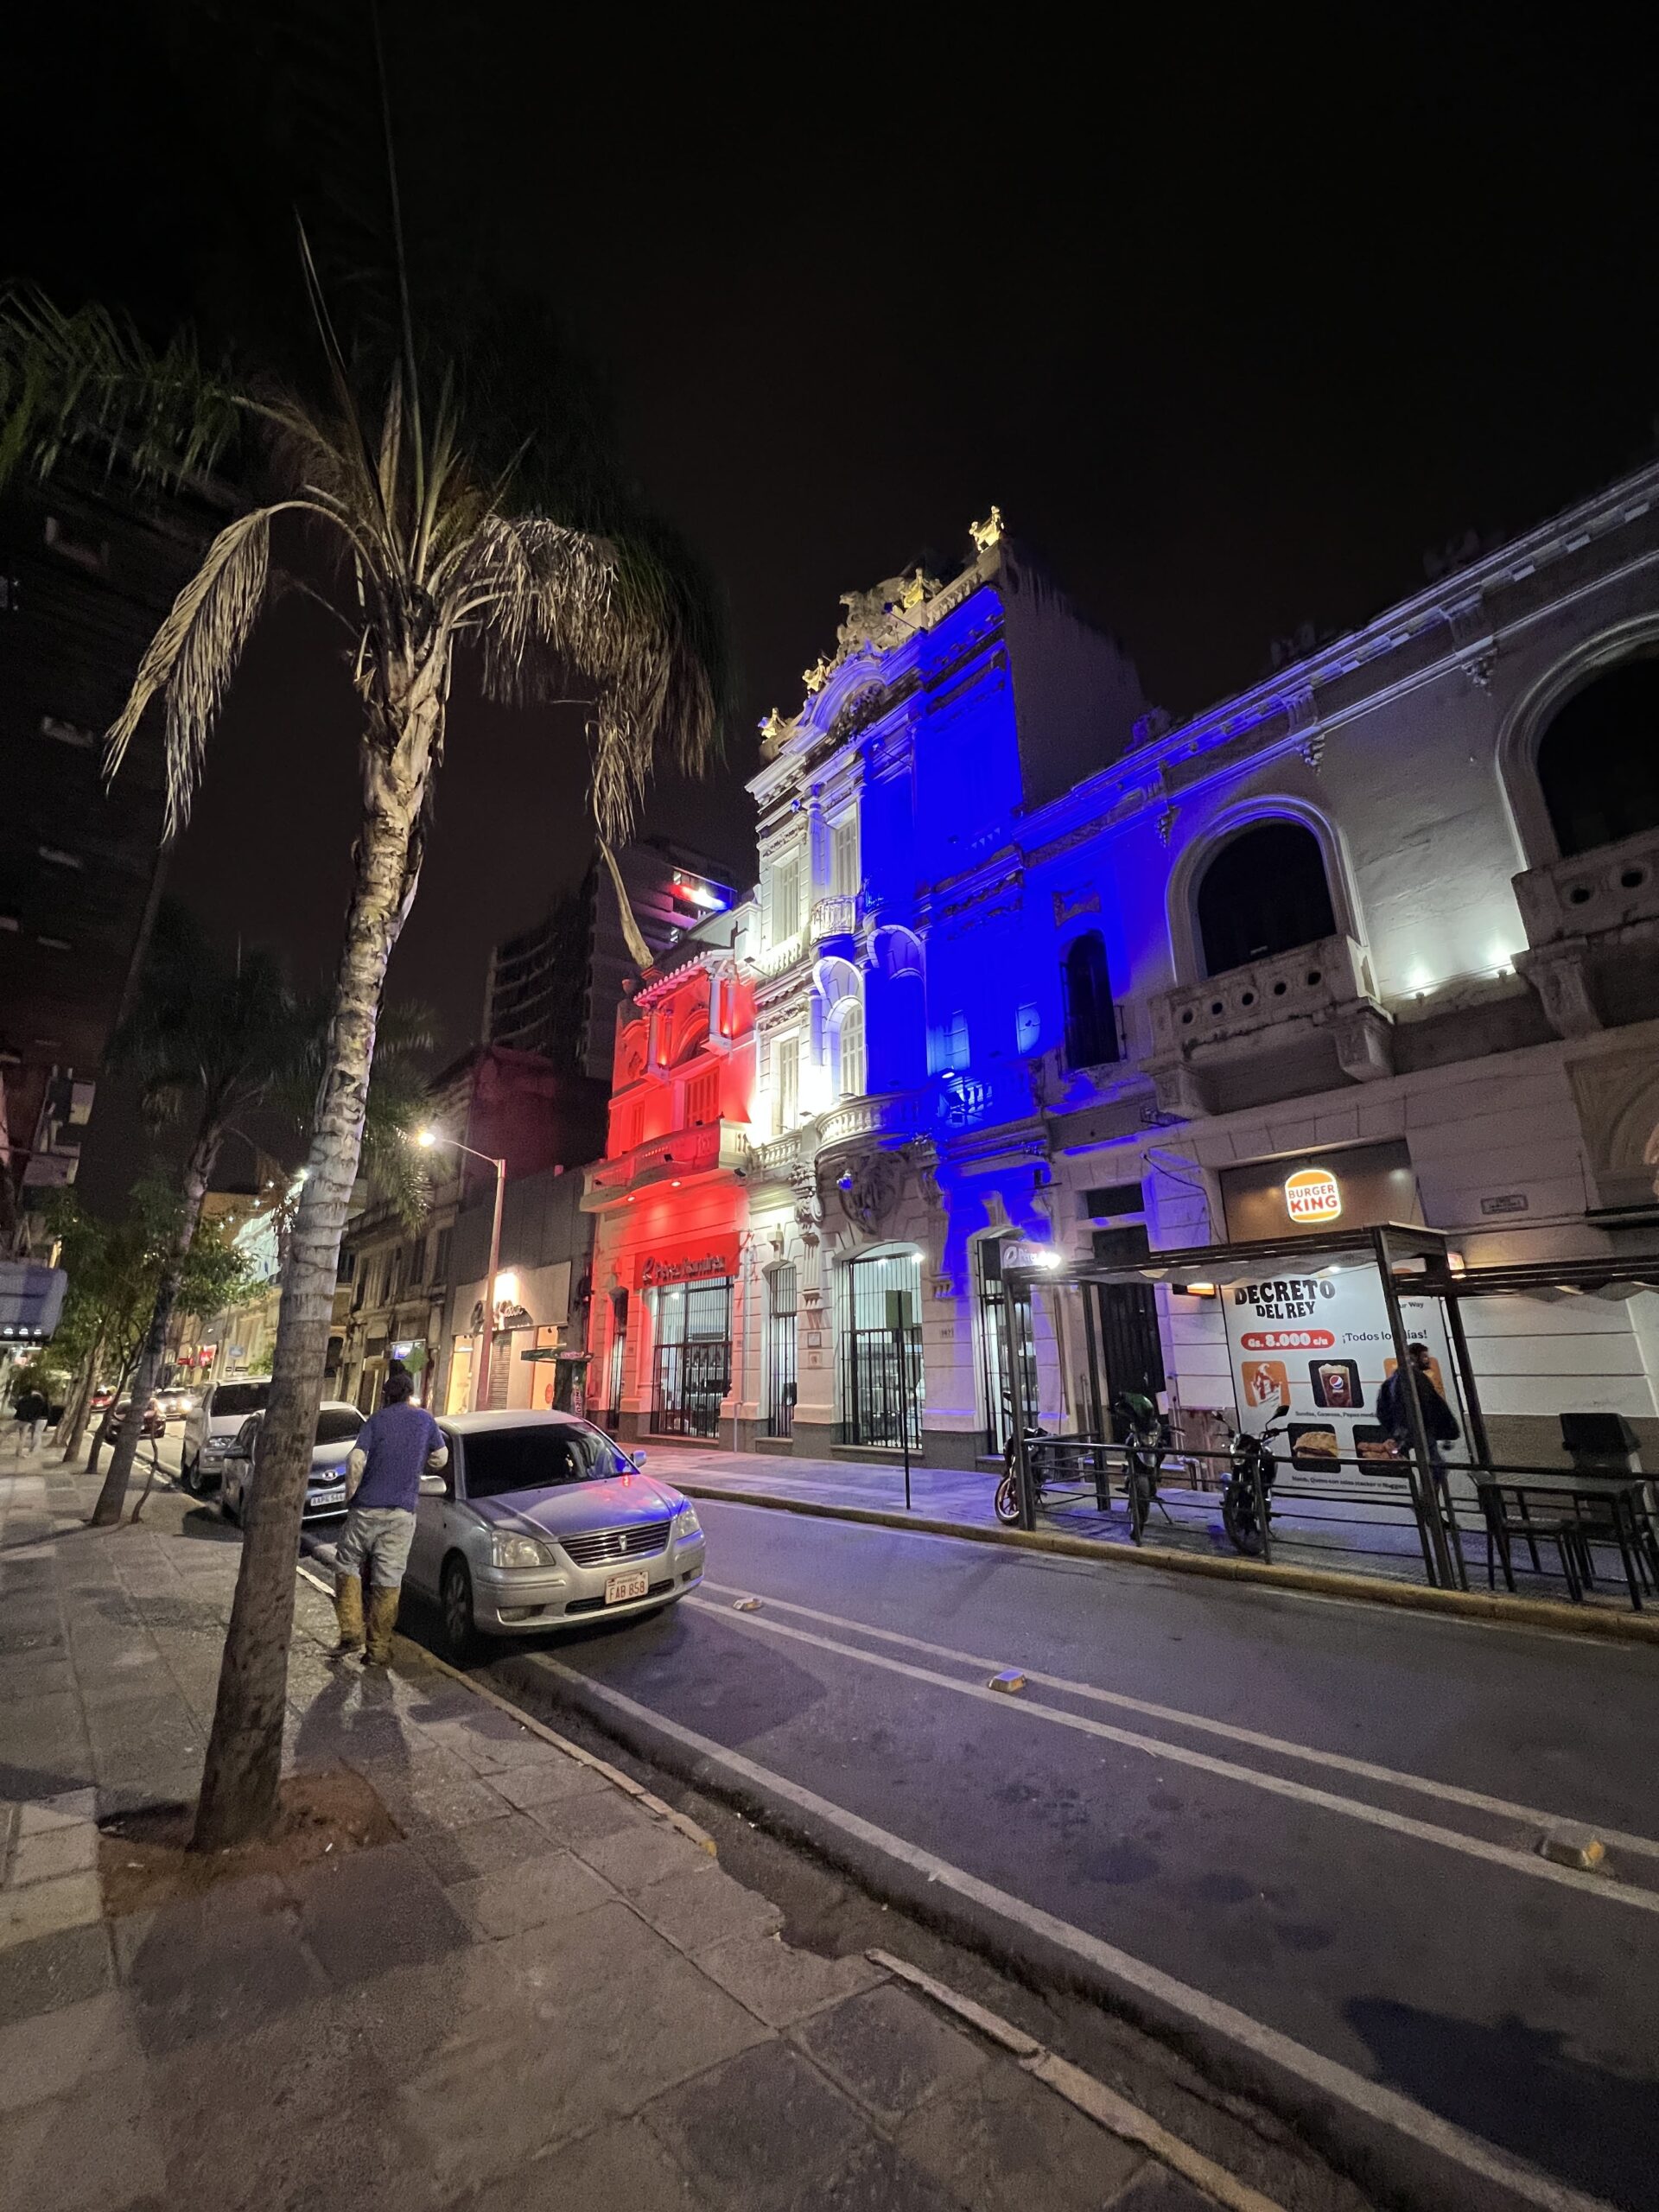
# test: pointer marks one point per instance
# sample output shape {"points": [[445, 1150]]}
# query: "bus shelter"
{"points": [[1309, 1330]]}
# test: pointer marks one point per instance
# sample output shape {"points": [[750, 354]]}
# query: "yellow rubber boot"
{"points": [[383, 1619], [348, 1612]]}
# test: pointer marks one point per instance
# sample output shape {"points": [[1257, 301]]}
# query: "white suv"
{"points": [[213, 1426]]}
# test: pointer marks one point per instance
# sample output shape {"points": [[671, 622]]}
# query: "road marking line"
{"points": [[1103, 2106], [1160, 1747], [1325, 2075], [1365, 1770]]}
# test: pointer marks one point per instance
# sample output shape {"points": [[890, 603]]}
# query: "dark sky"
{"points": [[1234, 324]]}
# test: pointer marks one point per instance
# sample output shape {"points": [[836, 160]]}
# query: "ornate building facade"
{"points": [[1024, 958]]}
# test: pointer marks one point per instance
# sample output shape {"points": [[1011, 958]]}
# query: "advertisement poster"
{"points": [[1317, 1346]]}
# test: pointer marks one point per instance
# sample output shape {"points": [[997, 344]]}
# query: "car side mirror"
{"points": [[434, 1486], [235, 1452], [637, 1458]]}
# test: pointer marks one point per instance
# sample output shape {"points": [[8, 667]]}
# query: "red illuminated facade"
{"points": [[671, 1236]]}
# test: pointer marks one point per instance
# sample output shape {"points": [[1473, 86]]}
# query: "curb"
{"points": [[614, 1775], [1328, 1582]]}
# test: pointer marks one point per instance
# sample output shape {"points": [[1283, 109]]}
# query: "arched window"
{"points": [[1264, 893], [1598, 760], [849, 1051], [1091, 1018]]}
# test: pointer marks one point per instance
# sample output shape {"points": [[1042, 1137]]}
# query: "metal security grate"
{"points": [[614, 1547]]}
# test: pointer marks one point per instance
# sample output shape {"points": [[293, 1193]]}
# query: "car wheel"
{"points": [[457, 1631], [190, 1474]]}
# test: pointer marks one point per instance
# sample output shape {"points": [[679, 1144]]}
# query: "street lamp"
{"points": [[427, 1138]]}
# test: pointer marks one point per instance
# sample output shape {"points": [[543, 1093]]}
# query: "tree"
{"points": [[207, 1038], [428, 505]]}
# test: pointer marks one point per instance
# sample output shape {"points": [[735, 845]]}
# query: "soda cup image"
{"points": [[1337, 1384]]}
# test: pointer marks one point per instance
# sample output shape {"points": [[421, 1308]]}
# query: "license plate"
{"points": [[621, 1587], [327, 1497]]}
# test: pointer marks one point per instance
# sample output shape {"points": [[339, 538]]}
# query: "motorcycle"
{"points": [[1246, 1501]]}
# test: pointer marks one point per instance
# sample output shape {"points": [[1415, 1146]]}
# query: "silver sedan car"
{"points": [[543, 1521]]}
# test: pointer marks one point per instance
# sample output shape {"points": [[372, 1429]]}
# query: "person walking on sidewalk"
{"points": [[30, 1411], [395, 1447], [1393, 1412]]}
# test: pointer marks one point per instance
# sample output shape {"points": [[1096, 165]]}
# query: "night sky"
{"points": [[1235, 327]]}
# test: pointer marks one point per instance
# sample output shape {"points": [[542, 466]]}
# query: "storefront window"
{"points": [[694, 1357]]}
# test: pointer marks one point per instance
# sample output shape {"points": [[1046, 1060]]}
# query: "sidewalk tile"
{"points": [[431, 1790], [481, 1848], [375, 1910], [44, 1908], [233, 1957], [618, 2168], [530, 1893], [490, 1740], [59, 1812], [576, 1821], [545, 1781], [298, 2119], [69, 1850], [891, 2051], [48, 2054], [878, 2178], [759, 2132], [1154, 2189], [54, 1970], [698, 1909], [634, 1857], [781, 1983], [585, 2021], [93, 2150], [1003, 2143]]}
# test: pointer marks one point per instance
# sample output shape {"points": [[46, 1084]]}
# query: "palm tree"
{"points": [[431, 551], [210, 1037]]}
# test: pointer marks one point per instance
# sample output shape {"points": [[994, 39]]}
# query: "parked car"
{"points": [[155, 1420], [325, 1493], [224, 1407], [539, 1520], [103, 1398]]}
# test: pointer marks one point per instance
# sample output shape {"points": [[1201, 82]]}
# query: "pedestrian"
{"points": [[395, 1447], [1394, 1410], [29, 1409]]}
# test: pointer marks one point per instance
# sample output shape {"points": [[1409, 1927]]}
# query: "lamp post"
{"points": [[427, 1138]]}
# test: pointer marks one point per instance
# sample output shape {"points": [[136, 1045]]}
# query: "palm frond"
{"points": [[194, 655], [89, 378]]}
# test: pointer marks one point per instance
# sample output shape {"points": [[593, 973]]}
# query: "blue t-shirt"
{"points": [[400, 1440]]}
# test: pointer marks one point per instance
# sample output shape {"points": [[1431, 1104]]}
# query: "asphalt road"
{"points": [[1309, 1830]]}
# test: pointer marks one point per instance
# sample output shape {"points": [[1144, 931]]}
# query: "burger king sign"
{"points": [[1312, 1194]]}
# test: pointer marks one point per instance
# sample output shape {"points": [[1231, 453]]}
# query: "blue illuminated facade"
{"points": [[1028, 960]]}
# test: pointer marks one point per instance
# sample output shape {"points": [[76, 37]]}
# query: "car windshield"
{"points": [[337, 1424], [499, 1461], [235, 1400]]}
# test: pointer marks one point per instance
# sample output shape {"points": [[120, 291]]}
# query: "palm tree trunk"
{"points": [[245, 1751], [111, 1499]]}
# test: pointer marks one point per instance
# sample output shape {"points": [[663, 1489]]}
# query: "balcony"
{"points": [[718, 1147], [837, 915], [1585, 917], [1293, 1006]]}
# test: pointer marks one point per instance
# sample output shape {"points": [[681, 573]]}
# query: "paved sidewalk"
{"points": [[1350, 1539], [543, 1994]]}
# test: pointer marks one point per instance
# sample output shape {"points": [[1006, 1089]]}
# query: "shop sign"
{"points": [[1318, 1347], [1312, 1194], [709, 1261]]}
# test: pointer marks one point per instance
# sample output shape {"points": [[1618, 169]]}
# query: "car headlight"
{"points": [[686, 1523], [520, 1551]]}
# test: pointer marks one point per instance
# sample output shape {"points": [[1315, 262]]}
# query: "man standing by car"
{"points": [[395, 1447]]}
